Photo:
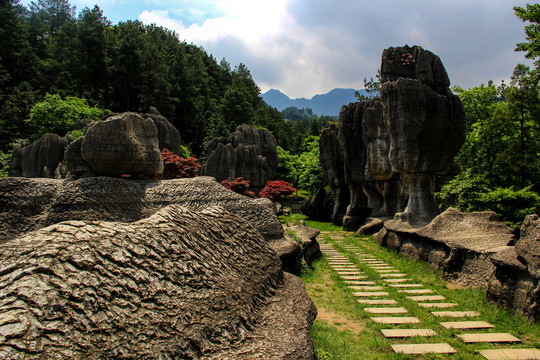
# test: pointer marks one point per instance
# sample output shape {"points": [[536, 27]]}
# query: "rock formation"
{"points": [[179, 284], [168, 135], [39, 159], [249, 153], [123, 144], [393, 146]]}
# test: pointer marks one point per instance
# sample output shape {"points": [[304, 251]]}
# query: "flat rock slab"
{"points": [[424, 349], [370, 294], [361, 277], [437, 305], [360, 283], [396, 281], [455, 314], [406, 285], [404, 333], [488, 338], [366, 288], [349, 272], [387, 271], [416, 291], [466, 325], [377, 302], [426, 298], [383, 267], [383, 310], [511, 354], [392, 275], [396, 320]]}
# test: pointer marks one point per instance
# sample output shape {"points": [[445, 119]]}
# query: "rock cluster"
{"points": [[178, 284], [248, 152], [392, 146], [128, 143]]}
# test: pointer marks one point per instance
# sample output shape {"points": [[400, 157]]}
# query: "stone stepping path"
{"points": [[368, 291], [511, 354]]}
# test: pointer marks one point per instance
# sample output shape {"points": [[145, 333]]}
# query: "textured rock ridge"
{"points": [[39, 159], [394, 145], [249, 152], [178, 284]]}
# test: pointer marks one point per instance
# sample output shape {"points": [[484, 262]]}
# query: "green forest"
{"points": [[56, 60]]}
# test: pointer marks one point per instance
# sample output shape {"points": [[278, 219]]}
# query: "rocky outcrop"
{"points": [[311, 250], [39, 159], [168, 135], [28, 204], [460, 244], [181, 283], [123, 144], [516, 279], [394, 145], [249, 153]]}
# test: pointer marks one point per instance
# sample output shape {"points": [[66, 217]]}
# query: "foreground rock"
{"points": [[516, 280], [31, 204], [249, 153], [308, 236], [178, 284]]}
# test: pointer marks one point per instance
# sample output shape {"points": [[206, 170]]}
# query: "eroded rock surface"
{"points": [[308, 235], [179, 284], [249, 153], [39, 159], [168, 135]]}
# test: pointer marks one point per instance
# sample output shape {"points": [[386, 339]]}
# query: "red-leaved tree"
{"points": [[176, 167], [238, 185], [275, 190]]}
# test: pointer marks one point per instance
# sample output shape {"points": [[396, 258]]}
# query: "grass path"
{"points": [[343, 330]]}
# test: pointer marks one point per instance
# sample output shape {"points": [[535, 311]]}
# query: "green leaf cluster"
{"points": [[302, 170]]}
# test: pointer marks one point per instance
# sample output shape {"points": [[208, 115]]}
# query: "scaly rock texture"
{"points": [[460, 244], [310, 246], [123, 144], [31, 204], [178, 284], [395, 144], [248, 152], [516, 280], [39, 159]]}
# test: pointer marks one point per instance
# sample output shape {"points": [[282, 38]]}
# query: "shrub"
{"points": [[275, 190], [176, 167], [239, 186]]}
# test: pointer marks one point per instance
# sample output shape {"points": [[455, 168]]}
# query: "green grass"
{"points": [[295, 218], [331, 295]]}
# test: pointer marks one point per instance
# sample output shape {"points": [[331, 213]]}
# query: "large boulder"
{"points": [[168, 135], [123, 144], [39, 159], [178, 284], [248, 152]]}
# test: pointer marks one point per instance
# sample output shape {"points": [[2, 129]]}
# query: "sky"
{"points": [[308, 47]]}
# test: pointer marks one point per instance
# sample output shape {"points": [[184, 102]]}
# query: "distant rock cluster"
{"points": [[387, 150]]}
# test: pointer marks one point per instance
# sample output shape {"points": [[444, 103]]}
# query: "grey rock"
{"points": [[123, 144], [168, 135], [178, 284], [39, 159], [528, 246], [249, 153], [74, 162], [308, 235]]}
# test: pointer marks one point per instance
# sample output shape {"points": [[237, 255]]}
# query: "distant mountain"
{"points": [[325, 104]]}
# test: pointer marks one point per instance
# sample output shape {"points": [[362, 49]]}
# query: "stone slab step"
{"points": [[349, 272], [406, 285], [437, 305], [366, 288], [387, 310], [488, 338], [404, 333], [511, 354], [426, 298], [466, 325], [370, 294], [359, 277], [423, 349], [359, 283], [392, 275], [387, 271], [383, 267], [377, 302], [396, 281], [455, 314], [396, 320], [416, 291]]}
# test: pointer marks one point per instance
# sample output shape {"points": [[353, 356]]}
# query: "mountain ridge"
{"points": [[321, 104]]}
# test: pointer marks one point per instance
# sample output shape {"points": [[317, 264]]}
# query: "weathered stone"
{"points": [[442, 348], [39, 159], [123, 144], [168, 135], [74, 161], [528, 246], [178, 284], [249, 153]]}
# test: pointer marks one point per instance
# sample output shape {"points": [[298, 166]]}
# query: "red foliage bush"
{"points": [[238, 185], [176, 167], [276, 189]]}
